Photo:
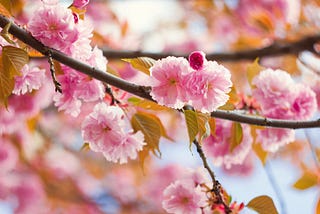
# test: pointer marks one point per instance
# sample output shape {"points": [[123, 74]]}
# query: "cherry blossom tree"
{"points": [[87, 105]]}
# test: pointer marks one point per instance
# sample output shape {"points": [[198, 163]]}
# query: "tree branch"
{"points": [[142, 91], [216, 187], [275, 49]]}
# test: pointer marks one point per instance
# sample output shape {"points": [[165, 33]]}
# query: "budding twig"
{"points": [[216, 187], [53, 75]]}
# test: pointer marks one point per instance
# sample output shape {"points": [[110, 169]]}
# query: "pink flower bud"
{"points": [[80, 3], [197, 60]]}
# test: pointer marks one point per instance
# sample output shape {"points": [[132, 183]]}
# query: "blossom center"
{"points": [[172, 81], [185, 200]]}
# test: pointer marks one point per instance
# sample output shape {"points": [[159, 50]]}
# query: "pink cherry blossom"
{"points": [[8, 156], [54, 26], [272, 139], [280, 97], [104, 129], [30, 79], [80, 3], [81, 48], [166, 81], [163, 177], [217, 146], [207, 89], [274, 93], [66, 100], [184, 197], [304, 104]]}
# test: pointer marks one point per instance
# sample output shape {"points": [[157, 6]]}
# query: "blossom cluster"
{"points": [[218, 146], [281, 98], [105, 131], [58, 27], [200, 83], [192, 194]]}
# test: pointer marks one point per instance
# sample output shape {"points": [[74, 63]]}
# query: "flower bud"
{"points": [[197, 60], [80, 3]]}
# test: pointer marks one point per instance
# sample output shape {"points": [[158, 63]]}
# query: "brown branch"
{"points": [[275, 49], [216, 187], [142, 91]]}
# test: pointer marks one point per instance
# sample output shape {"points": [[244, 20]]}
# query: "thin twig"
{"points": [[276, 188], [277, 48], [144, 91], [57, 85], [216, 187], [109, 91]]}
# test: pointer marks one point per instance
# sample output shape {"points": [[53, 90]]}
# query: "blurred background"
{"points": [[76, 180]]}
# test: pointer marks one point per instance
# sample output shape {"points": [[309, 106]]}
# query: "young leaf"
{"points": [[318, 207], [151, 127], [14, 59], [146, 104], [307, 180], [6, 84], [192, 124], [236, 135], [261, 154], [141, 63], [143, 155], [256, 146], [253, 70], [203, 125], [263, 205], [212, 123]]}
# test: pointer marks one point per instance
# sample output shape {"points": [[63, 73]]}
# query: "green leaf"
{"points": [[236, 135], [151, 127], [263, 205], [6, 84], [14, 59], [192, 124], [307, 180], [141, 63], [252, 70]]}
